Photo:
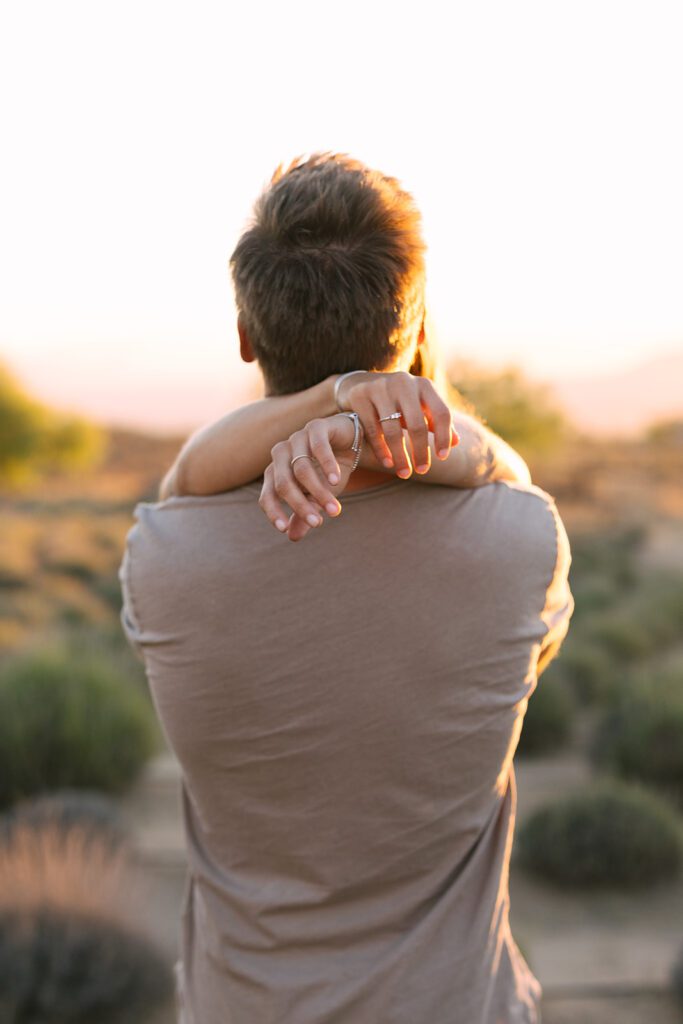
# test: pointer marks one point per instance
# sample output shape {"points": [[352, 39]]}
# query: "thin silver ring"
{"points": [[292, 461], [392, 416]]}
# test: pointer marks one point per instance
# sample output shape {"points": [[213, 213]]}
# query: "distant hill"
{"points": [[627, 401]]}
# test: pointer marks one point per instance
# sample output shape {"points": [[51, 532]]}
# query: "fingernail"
{"points": [[405, 473], [421, 469], [333, 507], [281, 524], [443, 453], [333, 478], [387, 462], [313, 520]]}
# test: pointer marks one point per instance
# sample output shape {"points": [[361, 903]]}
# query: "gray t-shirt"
{"points": [[345, 711]]}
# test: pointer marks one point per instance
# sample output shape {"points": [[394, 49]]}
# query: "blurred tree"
{"points": [[35, 439], [669, 431], [523, 413]]}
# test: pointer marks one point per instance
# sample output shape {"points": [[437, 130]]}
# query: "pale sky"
{"points": [[541, 140]]}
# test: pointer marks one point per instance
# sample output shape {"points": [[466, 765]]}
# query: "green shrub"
{"points": [[521, 411], [109, 589], [591, 672], [68, 722], [607, 555], [549, 716], [59, 966], [641, 735], [660, 608], [611, 834], [34, 438], [622, 635], [593, 594], [651, 618], [104, 642]]}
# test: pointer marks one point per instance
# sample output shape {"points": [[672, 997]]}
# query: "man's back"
{"points": [[345, 711]]}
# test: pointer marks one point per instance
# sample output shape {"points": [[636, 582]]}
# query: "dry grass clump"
{"points": [[71, 949]]}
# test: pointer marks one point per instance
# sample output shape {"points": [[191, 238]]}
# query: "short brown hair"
{"points": [[330, 274]]}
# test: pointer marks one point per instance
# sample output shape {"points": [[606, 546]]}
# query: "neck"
{"points": [[365, 479]]}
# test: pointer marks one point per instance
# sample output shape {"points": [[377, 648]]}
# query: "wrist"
{"points": [[340, 387], [325, 400]]}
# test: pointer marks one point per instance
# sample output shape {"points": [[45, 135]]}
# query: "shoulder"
{"points": [[521, 508], [167, 533], [523, 527], [178, 514]]}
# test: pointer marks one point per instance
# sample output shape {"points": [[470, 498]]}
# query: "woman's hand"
{"points": [[374, 394], [322, 472], [312, 482]]}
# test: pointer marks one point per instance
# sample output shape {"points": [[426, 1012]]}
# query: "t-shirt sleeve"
{"points": [[559, 602]]}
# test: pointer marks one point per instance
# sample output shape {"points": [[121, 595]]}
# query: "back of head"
{"points": [[330, 275]]}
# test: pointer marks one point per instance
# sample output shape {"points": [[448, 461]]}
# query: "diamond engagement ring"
{"points": [[392, 416]]}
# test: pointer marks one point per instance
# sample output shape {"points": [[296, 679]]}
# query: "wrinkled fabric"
{"points": [[345, 711]]}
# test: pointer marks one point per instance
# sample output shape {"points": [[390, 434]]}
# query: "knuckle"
{"points": [[286, 487], [418, 428], [304, 472], [281, 483], [318, 443]]}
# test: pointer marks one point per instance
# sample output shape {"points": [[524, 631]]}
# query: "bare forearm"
{"points": [[479, 458], [237, 448], [485, 457]]}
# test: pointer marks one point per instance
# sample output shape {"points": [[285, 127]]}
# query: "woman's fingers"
{"points": [[439, 418], [397, 394], [306, 471], [294, 478], [416, 425], [318, 432], [287, 486], [364, 405], [417, 400], [270, 503], [393, 436], [297, 528]]}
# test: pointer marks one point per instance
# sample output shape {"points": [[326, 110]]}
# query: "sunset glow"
{"points": [[540, 141]]}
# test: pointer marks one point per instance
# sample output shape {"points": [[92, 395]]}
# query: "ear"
{"points": [[246, 350]]}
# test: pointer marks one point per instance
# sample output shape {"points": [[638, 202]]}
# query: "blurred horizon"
{"points": [[536, 139], [621, 403]]}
